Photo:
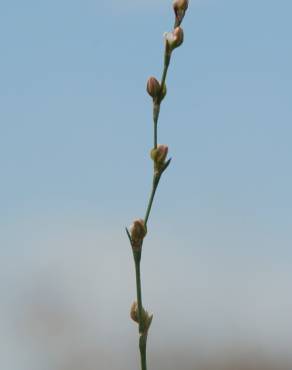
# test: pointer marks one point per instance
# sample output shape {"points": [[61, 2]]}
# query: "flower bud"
{"points": [[180, 7], [138, 232], [159, 155], [146, 318], [174, 39], [154, 89], [134, 312]]}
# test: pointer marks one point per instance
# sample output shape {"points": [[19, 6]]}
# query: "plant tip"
{"points": [[180, 7]]}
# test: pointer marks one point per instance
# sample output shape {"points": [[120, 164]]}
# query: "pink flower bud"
{"points": [[155, 91], [153, 87], [174, 39], [180, 4], [180, 7]]}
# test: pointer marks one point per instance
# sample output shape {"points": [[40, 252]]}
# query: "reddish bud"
{"points": [[138, 232], [180, 7], [174, 39], [153, 87]]}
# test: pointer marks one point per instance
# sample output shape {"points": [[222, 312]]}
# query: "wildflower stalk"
{"points": [[159, 153], [156, 110], [143, 333]]}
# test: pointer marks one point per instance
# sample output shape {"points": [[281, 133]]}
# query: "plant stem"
{"points": [[156, 179], [143, 330], [143, 333], [137, 254], [166, 65], [142, 346], [156, 104], [156, 110], [137, 259]]}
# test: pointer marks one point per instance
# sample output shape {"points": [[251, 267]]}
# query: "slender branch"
{"points": [[156, 104], [137, 259], [142, 346], [137, 255], [156, 110], [156, 179], [142, 331], [167, 57], [159, 153]]}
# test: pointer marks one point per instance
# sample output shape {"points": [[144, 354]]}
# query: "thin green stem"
{"points": [[156, 104], [143, 327], [156, 110], [142, 346], [167, 57], [137, 258], [156, 179], [143, 333]]}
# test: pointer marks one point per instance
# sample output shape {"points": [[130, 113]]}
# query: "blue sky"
{"points": [[75, 138]]}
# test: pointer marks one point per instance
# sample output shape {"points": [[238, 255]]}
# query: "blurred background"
{"points": [[76, 133]]}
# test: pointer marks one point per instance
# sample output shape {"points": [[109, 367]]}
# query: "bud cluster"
{"points": [[173, 40], [145, 320], [138, 232]]}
